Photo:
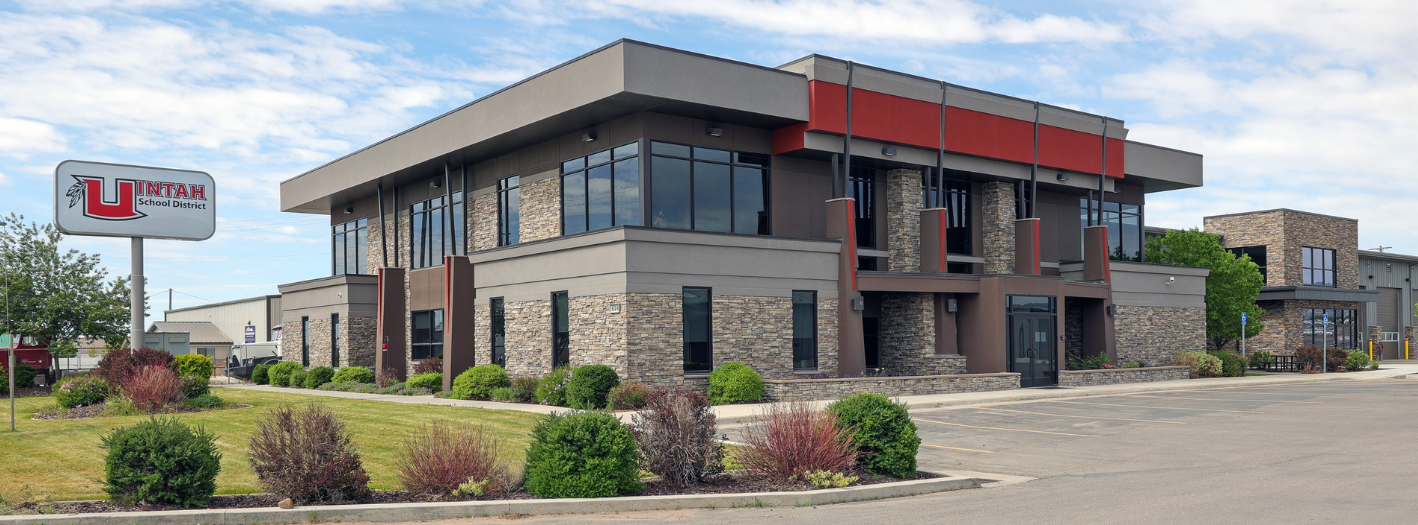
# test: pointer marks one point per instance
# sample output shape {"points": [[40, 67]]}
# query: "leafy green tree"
{"points": [[57, 296], [1232, 287]]}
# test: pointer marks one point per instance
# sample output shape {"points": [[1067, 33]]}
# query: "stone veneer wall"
{"points": [[1118, 376], [1073, 326], [319, 342], [540, 209], [756, 331], [291, 333], [482, 215], [907, 337], [482, 334], [1284, 326], [357, 341], [1154, 335], [903, 220], [1410, 334], [655, 348], [1375, 334], [357, 338], [599, 336], [528, 343], [816, 389], [1284, 233], [827, 336], [998, 228]]}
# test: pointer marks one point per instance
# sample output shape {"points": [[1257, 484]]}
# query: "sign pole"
{"points": [[135, 335], [1324, 344], [11, 372], [1243, 335]]}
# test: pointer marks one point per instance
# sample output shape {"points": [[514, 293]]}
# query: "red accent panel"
{"points": [[986, 135], [1116, 158], [827, 106], [941, 242], [1036, 248], [789, 138], [895, 119], [1070, 150]]}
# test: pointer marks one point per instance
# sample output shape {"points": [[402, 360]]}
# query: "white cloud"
{"points": [[21, 138]]}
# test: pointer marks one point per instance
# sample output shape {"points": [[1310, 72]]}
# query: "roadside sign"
{"points": [[116, 200], [1243, 319], [250, 334]]}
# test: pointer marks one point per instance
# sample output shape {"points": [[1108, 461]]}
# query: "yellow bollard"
{"points": [[1371, 349], [1405, 349]]}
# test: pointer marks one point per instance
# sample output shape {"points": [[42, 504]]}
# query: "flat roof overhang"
{"points": [[1313, 293], [616, 80]]}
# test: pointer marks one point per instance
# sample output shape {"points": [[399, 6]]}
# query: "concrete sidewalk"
{"points": [[730, 414]]}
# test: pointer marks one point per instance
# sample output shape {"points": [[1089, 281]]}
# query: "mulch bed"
{"points": [[727, 483], [85, 412], [28, 391]]}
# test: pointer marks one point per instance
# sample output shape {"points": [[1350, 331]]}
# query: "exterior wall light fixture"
{"points": [[588, 136], [1063, 177], [435, 183], [715, 132], [349, 210], [890, 152]]}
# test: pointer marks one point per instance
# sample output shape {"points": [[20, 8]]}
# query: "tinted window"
{"points": [[750, 201], [698, 332], [713, 197], [573, 203], [804, 330], [670, 193]]}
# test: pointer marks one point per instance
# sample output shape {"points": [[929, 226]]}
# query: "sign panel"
{"points": [[250, 334], [117, 200]]}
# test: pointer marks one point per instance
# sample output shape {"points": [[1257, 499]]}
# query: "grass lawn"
{"points": [[60, 460]]}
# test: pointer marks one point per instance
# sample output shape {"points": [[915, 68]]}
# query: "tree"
{"points": [[57, 296], [1232, 287]]}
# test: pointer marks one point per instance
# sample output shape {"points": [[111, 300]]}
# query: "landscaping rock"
{"points": [[286, 504]]}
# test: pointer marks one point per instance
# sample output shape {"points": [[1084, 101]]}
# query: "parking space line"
{"points": [[1009, 429], [957, 448], [1160, 408], [1226, 399], [1082, 417]]}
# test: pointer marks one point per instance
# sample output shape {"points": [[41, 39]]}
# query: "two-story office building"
{"points": [[664, 212]]}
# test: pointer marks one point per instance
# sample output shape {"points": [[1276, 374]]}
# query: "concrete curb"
{"points": [[396, 512]]}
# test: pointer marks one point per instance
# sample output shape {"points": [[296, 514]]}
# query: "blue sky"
{"points": [[1304, 104]]}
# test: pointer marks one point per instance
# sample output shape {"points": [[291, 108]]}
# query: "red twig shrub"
{"points": [[307, 456], [152, 388], [119, 363], [675, 432], [439, 458], [432, 364], [790, 439], [386, 376]]}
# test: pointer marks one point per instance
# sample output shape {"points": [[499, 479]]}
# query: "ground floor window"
{"points": [[560, 329], [305, 341], [427, 334], [698, 330], [335, 340], [1341, 332], [499, 332], [804, 330]]}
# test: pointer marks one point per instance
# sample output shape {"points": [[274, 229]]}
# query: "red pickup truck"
{"points": [[37, 356]]}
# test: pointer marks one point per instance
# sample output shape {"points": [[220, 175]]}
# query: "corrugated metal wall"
{"points": [[232, 318], [1393, 279]]}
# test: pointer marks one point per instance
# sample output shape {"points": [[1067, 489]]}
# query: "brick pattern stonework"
{"points": [[827, 336], [1118, 376], [599, 336], [907, 337], [1410, 334], [817, 389], [998, 227], [1285, 233], [903, 220], [1154, 335], [482, 334], [756, 331], [291, 333], [358, 341], [655, 347], [319, 341], [1073, 325], [528, 343], [1284, 325], [540, 209], [374, 255], [482, 215]]}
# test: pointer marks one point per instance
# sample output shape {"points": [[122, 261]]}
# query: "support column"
{"points": [[1095, 254], [851, 354], [458, 326], [933, 224], [903, 219], [1026, 246], [998, 227], [391, 347]]}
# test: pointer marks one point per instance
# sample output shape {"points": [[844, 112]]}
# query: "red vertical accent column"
{"points": [[458, 326], [1026, 246], [841, 224], [1095, 254], [391, 350], [933, 224]]}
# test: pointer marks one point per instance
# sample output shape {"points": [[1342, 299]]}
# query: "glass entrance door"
{"points": [[1032, 347]]}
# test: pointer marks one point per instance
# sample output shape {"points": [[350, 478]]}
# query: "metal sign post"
{"points": [[1243, 335], [1324, 344]]}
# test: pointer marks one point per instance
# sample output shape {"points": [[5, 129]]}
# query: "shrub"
{"points": [[1259, 360], [1202, 364], [628, 396], [297, 378], [207, 401], [428, 366], [734, 383], [1077, 361], [439, 458], [882, 431], [582, 455], [24, 376], [80, 391], [194, 365], [829, 480], [430, 380], [788, 440], [386, 376], [279, 373], [1337, 358], [1231, 364], [477, 382], [524, 388], [319, 376], [152, 388], [676, 436], [306, 455], [119, 363], [119, 405], [1310, 356], [502, 393], [551, 388], [353, 374], [195, 386], [589, 385], [259, 374], [161, 460]]}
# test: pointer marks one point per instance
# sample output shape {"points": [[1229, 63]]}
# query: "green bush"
{"points": [[1356, 361], [882, 431], [1231, 364], [194, 365], [524, 388], [551, 388], [1259, 360], [161, 460], [259, 374], [297, 378], [1077, 361], [502, 393], [354, 374], [589, 385], [734, 383], [279, 373], [24, 376], [207, 401], [582, 455], [85, 390], [431, 380], [319, 376], [1202, 364], [477, 382], [195, 386]]}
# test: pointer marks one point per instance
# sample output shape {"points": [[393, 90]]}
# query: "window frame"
{"points": [[340, 258], [558, 345], [497, 316], [798, 359], [863, 209], [305, 341], [421, 242], [509, 232], [585, 169], [334, 340], [709, 322], [435, 316], [1118, 211], [1253, 251], [957, 197], [648, 204], [1344, 322], [1307, 253]]}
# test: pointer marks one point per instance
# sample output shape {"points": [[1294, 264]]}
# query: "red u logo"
{"points": [[90, 190]]}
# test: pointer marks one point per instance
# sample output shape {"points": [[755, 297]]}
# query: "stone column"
{"points": [[1375, 338], [998, 227], [1410, 337], [903, 220]]}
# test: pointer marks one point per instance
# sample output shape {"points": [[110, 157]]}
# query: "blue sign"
{"points": [[1326, 318], [250, 334], [1243, 319]]}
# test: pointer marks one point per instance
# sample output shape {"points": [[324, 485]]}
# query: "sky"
{"points": [[1304, 104]]}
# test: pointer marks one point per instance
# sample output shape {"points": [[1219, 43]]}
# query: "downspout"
{"points": [[940, 152], [1034, 171], [467, 206], [383, 235], [836, 181], [1103, 176], [847, 141], [448, 200], [396, 226]]}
